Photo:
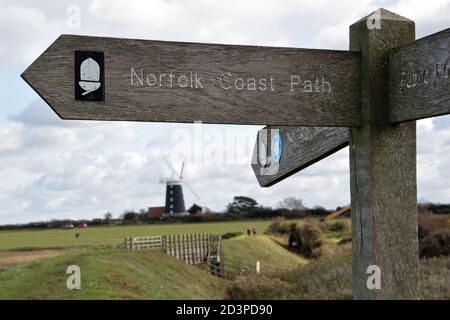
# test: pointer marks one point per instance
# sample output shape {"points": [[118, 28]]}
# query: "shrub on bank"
{"points": [[337, 226], [279, 227], [435, 245], [329, 277], [306, 238], [260, 288], [434, 236]]}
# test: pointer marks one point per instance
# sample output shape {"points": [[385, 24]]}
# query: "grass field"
{"points": [[113, 235], [111, 273], [119, 274]]}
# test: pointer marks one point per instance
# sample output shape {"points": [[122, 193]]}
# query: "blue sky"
{"points": [[52, 168]]}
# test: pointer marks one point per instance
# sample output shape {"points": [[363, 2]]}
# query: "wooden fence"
{"points": [[227, 270], [190, 248], [144, 243], [194, 248]]}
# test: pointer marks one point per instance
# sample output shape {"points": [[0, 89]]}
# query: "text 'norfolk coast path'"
{"points": [[185, 82]]}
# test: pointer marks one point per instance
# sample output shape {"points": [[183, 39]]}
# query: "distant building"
{"points": [[156, 212]]}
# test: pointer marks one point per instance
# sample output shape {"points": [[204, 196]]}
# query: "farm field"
{"points": [[120, 274], [114, 235], [286, 273]]}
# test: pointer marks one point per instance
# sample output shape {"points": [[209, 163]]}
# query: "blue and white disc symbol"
{"points": [[277, 147]]}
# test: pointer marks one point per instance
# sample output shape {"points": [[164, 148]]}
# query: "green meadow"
{"points": [[114, 235]]}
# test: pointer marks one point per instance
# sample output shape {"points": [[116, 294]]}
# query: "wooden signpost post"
{"points": [[373, 92]]}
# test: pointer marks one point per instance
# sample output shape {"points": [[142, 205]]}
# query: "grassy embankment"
{"points": [[329, 275], [118, 274]]}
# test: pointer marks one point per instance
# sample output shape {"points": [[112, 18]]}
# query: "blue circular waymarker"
{"points": [[277, 147]]}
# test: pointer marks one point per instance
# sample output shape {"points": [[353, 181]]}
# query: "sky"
{"points": [[53, 169]]}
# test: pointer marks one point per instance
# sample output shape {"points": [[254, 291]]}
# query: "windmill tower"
{"points": [[174, 205]]}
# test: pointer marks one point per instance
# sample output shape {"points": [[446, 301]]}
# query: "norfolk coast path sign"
{"points": [[419, 81], [186, 82], [374, 92], [420, 78], [282, 151]]}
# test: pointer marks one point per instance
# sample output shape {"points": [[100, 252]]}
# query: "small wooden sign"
{"points": [[420, 78], [282, 151], [186, 82]]}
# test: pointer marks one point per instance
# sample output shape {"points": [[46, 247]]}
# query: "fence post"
{"points": [[219, 248], [382, 170]]}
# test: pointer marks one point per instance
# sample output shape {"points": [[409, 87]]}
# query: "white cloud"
{"points": [[28, 27], [53, 169], [56, 168], [26, 32]]}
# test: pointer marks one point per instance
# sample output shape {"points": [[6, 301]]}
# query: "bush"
{"points": [[434, 236], [279, 226], [306, 238], [330, 277], [427, 223], [260, 288], [326, 278], [435, 245], [337, 226]]}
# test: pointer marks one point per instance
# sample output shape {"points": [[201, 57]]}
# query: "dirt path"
{"points": [[9, 259]]}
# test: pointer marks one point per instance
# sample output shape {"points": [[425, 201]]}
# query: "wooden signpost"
{"points": [[300, 148], [383, 172], [419, 76], [374, 92], [186, 82]]}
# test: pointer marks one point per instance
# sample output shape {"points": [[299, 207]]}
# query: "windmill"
{"points": [[174, 205]]}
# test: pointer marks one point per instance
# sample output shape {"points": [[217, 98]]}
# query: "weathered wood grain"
{"points": [[420, 78], [383, 171], [302, 147], [334, 100]]}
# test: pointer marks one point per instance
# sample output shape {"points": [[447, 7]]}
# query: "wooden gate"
{"points": [[190, 248]]}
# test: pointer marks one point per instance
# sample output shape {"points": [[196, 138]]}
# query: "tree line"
{"points": [[240, 208]]}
